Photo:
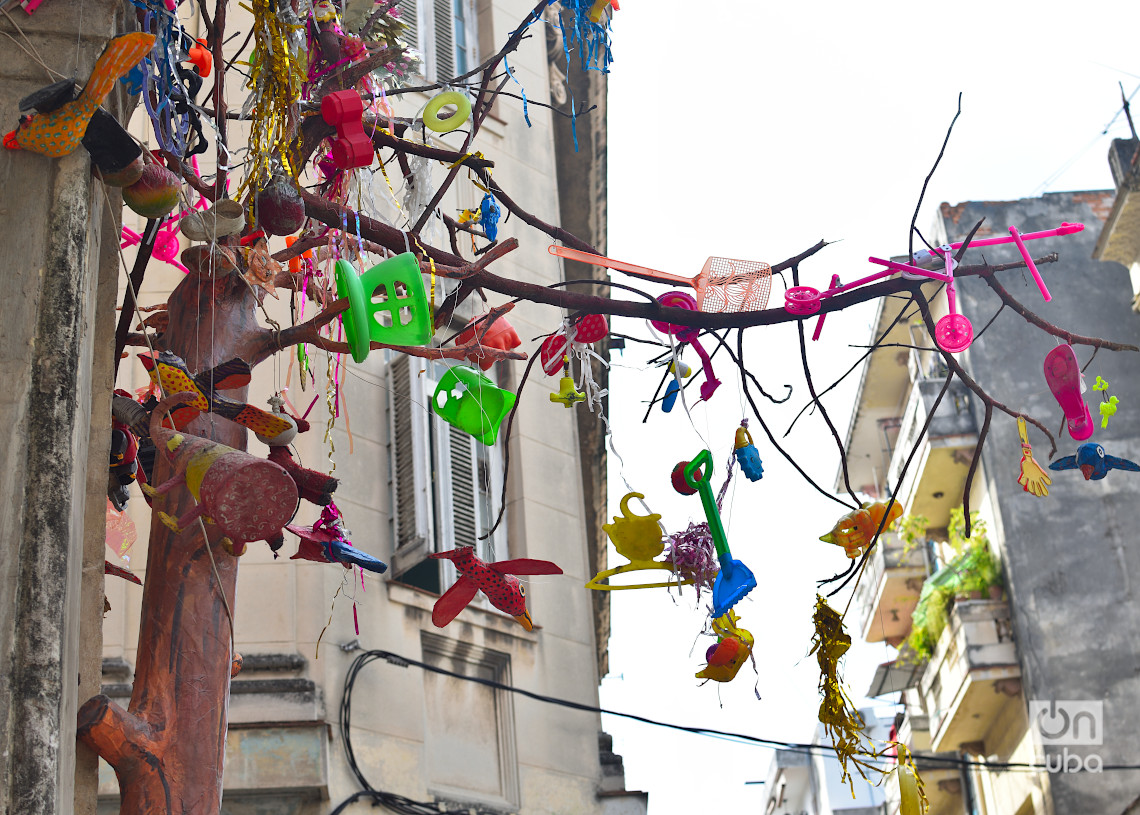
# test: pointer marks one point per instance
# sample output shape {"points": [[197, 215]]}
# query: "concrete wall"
{"points": [[56, 318], [1070, 558]]}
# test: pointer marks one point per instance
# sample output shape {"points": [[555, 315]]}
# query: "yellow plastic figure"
{"points": [[567, 396], [638, 538], [731, 651], [1033, 479], [855, 530]]}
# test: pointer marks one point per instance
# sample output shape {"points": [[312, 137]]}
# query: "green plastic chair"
{"points": [[469, 400], [386, 304]]}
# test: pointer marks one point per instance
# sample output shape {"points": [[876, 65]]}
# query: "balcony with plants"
{"points": [[962, 631], [890, 588]]}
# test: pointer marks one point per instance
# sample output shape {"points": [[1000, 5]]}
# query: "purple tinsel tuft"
{"points": [[693, 555]]}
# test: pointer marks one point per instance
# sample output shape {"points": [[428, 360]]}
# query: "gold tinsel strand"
{"points": [[276, 77], [841, 721]]}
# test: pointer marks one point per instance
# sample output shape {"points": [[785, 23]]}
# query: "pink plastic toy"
{"points": [[351, 147], [166, 244], [822, 317], [1063, 374], [680, 299], [954, 332]]}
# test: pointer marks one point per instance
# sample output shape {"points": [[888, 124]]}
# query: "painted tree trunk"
{"points": [[167, 748]]}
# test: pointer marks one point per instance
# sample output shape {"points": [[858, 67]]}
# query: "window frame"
{"points": [[431, 447], [426, 17]]}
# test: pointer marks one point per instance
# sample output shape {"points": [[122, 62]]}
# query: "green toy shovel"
{"points": [[734, 580]]}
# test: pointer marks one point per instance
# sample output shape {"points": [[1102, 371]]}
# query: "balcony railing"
{"points": [[937, 472], [889, 591], [972, 674]]}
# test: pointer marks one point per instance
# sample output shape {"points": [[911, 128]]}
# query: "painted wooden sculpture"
{"points": [[60, 122], [249, 498], [327, 541], [204, 393]]}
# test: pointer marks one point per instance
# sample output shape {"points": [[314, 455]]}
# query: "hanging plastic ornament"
{"points": [[489, 217], [418, 191], [276, 79], [747, 454], [586, 28]]}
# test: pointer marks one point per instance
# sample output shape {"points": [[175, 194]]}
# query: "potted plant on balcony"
{"points": [[973, 573]]}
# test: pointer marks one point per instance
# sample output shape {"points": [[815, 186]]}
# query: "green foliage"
{"points": [[912, 530], [973, 568]]}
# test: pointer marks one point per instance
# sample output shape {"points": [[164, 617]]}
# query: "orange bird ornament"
{"points": [[58, 130]]}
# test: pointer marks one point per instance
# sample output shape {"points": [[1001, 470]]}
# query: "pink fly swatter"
{"points": [[723, 286]]}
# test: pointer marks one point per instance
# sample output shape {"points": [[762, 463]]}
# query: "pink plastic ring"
{"points": [[954, 333], [801, 300], [674, 299]]}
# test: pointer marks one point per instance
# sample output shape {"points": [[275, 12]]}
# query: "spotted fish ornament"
{"points": [[57, 129], [496, 580]]}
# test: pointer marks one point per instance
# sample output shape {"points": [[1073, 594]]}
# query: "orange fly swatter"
{"points": [[724, 285]]}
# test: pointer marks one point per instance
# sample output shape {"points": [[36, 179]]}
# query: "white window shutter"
{"points": [[444, 25], [410, 16], [456, 470], [409, 449]]}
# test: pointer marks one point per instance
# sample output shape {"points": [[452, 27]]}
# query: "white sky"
{"points": [[752, 130]]}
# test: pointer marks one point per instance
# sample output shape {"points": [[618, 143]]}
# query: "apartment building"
{"points": [[412, 485], [1048, 636], [810, 781]]}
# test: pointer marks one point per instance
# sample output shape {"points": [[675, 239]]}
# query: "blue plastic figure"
{"points": [[670, 398], [489, 217], [747, 454]]}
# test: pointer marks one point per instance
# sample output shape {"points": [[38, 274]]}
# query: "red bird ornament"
{"points": [[496, 580]]}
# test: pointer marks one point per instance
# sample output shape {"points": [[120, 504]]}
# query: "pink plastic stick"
{"points": [[951, 293], [130, 238], [1019, 239], [1064, 229], [903, 267], [819, 322]]}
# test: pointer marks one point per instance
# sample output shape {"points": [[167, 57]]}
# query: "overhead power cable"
{"points": [[407, 807]]}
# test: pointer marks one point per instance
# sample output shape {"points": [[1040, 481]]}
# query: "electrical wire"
{"points": [[406, 806]]}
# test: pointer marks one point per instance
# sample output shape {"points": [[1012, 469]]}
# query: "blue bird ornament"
{"points": [[1093, 462]]}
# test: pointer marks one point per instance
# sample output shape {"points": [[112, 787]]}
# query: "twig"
{"points": [[1033, 319], [823, 411], [738, 358], [921, 195]]}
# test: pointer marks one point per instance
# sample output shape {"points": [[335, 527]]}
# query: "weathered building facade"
{"points": [[1058, 626]]}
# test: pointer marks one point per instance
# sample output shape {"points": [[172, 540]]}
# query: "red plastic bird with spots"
{"points": [[496, 580]]}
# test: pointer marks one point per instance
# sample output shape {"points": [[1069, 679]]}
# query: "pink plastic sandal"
{"points": [[1063, 374]]}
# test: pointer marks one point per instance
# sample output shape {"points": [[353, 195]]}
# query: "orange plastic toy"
{"points": [[855, 530], [731, 651]]}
